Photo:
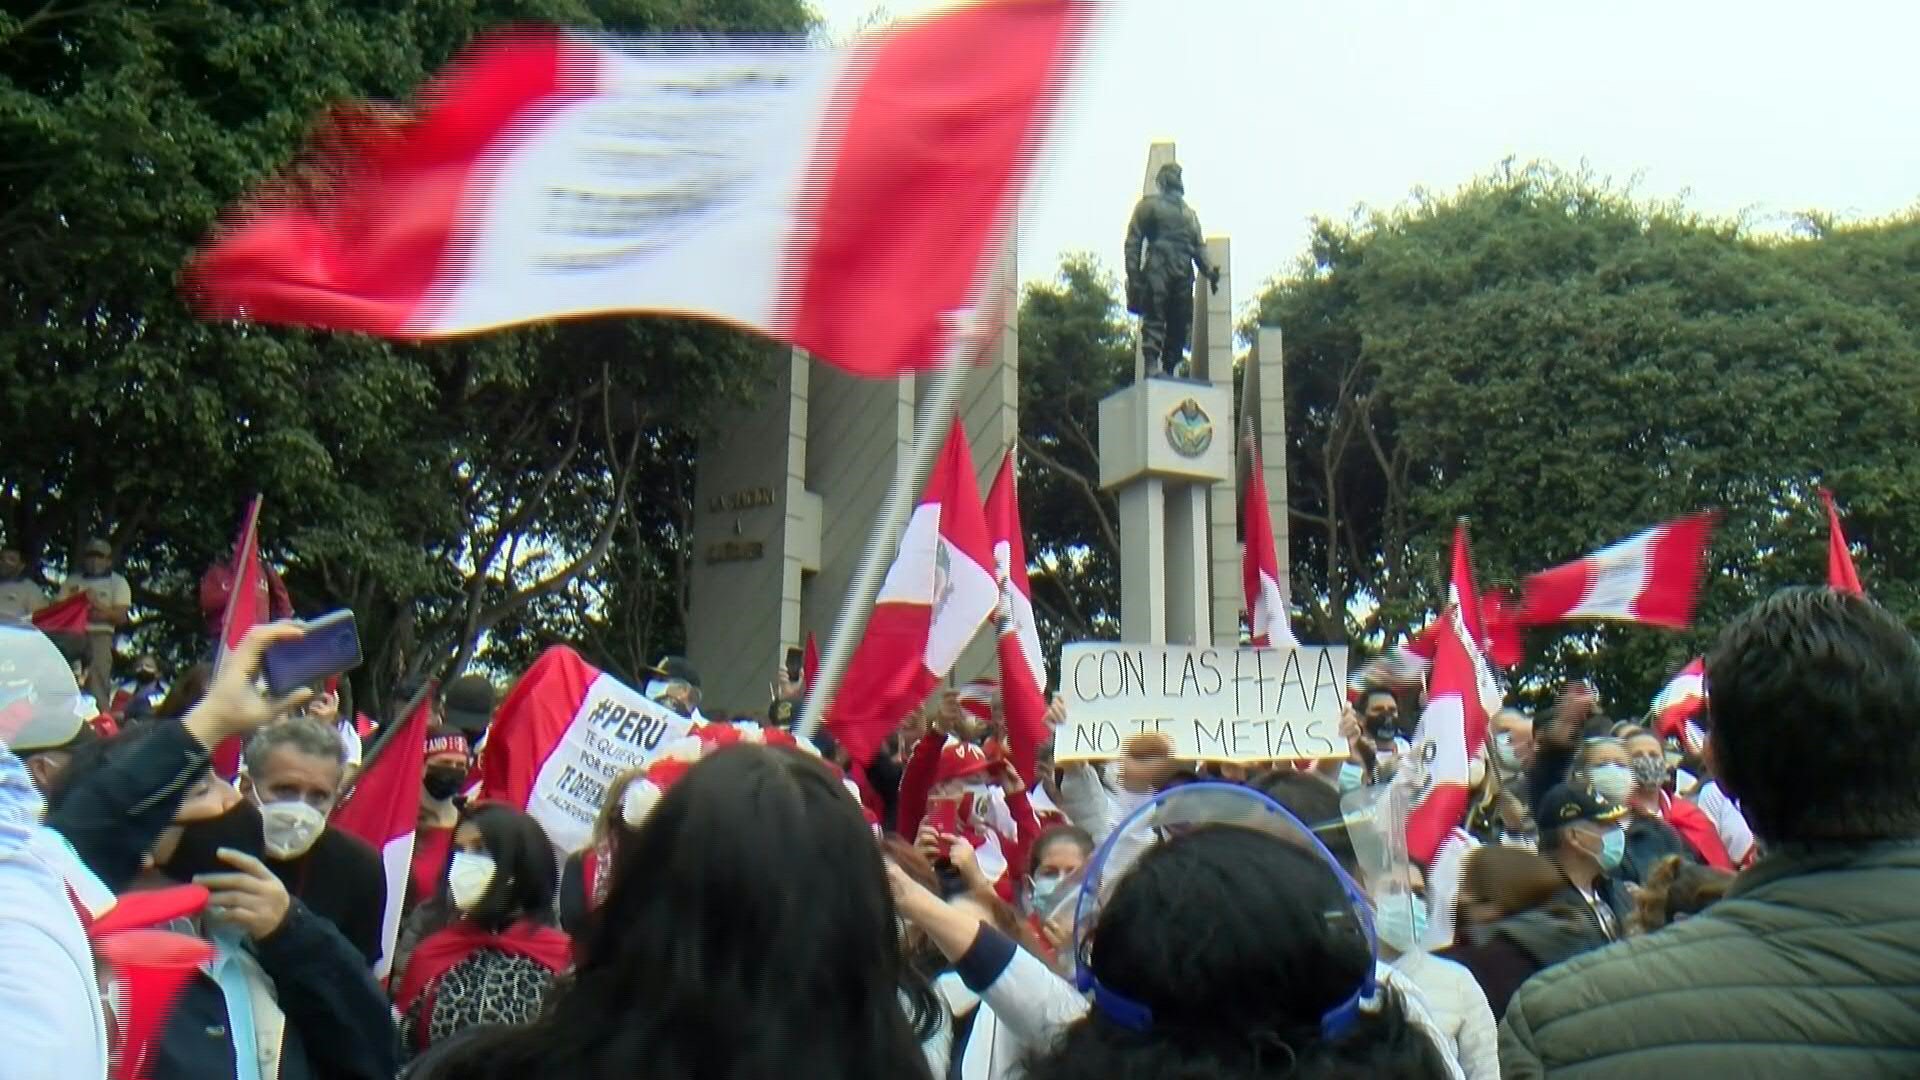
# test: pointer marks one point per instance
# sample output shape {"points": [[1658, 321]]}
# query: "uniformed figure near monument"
{"points": [[1164, 246]]}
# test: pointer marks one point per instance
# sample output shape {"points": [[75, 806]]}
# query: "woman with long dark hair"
{"points": [[496, 956], [748, 932]]}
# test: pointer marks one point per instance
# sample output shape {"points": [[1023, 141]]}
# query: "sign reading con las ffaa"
{"points": [[1213, 704]]}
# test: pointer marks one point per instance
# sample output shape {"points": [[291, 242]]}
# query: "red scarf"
{"points": [[443, 951], [1697, 829]]}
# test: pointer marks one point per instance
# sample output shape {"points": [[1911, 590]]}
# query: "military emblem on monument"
{"points": [[1189, 429]]}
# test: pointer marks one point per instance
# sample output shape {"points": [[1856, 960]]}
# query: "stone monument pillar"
{"points": [[786, 492], [1263, 408]]}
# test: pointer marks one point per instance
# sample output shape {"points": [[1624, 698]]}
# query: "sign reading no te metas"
{"points": [[1213, 704]]}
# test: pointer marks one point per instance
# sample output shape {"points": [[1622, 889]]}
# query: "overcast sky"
{"points": [[1287, 109]]}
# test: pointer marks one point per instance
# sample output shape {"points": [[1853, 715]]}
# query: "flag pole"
{"points": [[929, 434]]}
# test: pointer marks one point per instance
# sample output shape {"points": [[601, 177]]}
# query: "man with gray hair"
{"points": [[294, 771]]}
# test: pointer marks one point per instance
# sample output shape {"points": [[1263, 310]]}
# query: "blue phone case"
{"points": [[331, 647]]}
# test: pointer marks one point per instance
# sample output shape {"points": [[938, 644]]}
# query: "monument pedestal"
{"points": [[1164, 444]]}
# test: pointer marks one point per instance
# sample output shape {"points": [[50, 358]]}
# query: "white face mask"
{"points": [[469, 877], [291, 828], [1614, 782]]}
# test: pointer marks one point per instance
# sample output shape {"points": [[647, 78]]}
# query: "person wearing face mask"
{"points": [[294, 771], [959, 806], [1608, 768], [449, 759], [1511, 750], [496, 953], [674, 683], [285, 997], [1582, 833], [1684, 830], [1455, 1001], [1058, 855]]}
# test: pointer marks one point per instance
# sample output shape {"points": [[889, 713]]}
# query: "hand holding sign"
{"points": [[1147, 763]]}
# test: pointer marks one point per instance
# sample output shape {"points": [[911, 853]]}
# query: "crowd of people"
{"points": [[1612, 903]]}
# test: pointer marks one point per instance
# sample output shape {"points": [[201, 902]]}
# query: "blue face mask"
{"points": [[1403, 925], [1351, 776], [1045, 888], [1504, 753], [1613, 848]]}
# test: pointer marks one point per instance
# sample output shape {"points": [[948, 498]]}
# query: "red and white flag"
{"points": [[1023, 668], [1653, 579], [1461, 695], [1676, 710], [69, 617], [560, 738], [849, 201], [1841, 574], [1260, 568], [246, 609], [381, 809], [939, 590]]}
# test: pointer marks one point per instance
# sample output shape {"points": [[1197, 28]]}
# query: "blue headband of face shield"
{"points": [[1181, 810]]}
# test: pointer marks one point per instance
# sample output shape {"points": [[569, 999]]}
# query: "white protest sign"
{"points": [[1213, 704], [614, 730]]}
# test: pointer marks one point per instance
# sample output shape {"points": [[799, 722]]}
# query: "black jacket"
{"points": [[1513, 950], [341, 880], [338, 1022]]}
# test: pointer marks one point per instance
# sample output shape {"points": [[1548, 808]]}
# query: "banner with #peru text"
{"points": [[563, 735]]}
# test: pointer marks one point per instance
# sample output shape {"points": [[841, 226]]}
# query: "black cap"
{"points": [[676, 669], [1566, 804], [468, 704]]}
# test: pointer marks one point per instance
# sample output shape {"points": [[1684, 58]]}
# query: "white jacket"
{"points": [[1459, 1011], [51, 1023]]}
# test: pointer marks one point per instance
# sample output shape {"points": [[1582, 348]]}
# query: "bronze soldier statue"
{"points": [[1164, 246]]}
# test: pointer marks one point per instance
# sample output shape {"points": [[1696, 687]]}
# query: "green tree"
{"points": [[441, 491], [1566, 364], [1076, 347]]}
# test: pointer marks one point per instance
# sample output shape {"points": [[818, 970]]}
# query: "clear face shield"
{"points": [[1376, 820], [1183, 810]]}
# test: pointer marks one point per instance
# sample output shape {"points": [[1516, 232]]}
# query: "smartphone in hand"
{"points": [[330, 647]]}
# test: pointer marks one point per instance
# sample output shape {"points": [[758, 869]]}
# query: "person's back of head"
{"points": [[748, 932], [1238, 944], [1504, 881], [1814, 697], [1310, 799]]}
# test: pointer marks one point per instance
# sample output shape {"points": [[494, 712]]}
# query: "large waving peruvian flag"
{"points": [[845, 200], [1260, 567], [382, 807], [246, 609], [1841, 574], [562, 736], [1653, 579], [1461, 695], [938, 591], [1023, 669]]}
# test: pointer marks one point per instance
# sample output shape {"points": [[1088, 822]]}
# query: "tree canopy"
{"points": [[1565, 364], [1560, 362], [514, 488]]}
